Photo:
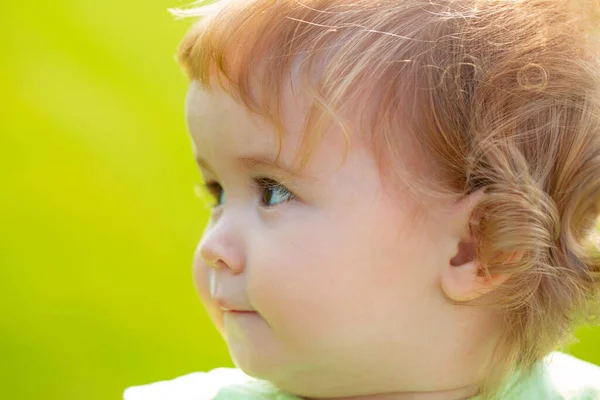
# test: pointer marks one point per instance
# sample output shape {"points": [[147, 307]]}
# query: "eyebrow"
{"points": [[254, 162]]}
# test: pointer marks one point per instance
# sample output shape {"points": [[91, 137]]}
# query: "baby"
{"points": [[405, 195]]}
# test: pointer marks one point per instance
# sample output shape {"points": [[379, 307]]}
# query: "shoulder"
{"points": [[218, 384], [573, 378], [558, 377]]}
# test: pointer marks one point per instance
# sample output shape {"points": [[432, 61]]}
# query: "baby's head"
{"points": [[405, 191]]}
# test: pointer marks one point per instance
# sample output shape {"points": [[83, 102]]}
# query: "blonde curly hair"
{"points": [[496, 94]]}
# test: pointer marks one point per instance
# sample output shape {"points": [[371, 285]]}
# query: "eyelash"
{"points": [[212, 190], [261, 184]]}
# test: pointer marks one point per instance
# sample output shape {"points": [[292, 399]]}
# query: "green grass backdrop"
{"points": [[98, 220]]}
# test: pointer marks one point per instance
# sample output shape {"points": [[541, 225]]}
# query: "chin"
{"points": [[259, 358]]}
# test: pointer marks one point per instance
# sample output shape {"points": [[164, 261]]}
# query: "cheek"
{"points": [[322, 279], [285, 279], [201, 274], [308, 278]]}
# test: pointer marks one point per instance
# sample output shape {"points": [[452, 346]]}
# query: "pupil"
{"points": [[267, 195]]}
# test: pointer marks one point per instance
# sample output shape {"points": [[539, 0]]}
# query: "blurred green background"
{"points": [[98, 220]]}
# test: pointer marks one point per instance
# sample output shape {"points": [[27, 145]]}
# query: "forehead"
{"points": [[215, 119], [219, 125]]}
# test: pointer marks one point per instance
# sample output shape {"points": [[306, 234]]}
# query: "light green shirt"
{"points": [[558, 377]]}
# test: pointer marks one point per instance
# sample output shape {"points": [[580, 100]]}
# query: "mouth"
{"points": [[227, 307], [230, 311]]}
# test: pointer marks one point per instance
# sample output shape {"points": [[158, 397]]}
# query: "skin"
{"points": [[347, 285]]}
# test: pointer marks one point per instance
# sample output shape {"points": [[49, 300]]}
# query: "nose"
{"points": [[221, 246]]}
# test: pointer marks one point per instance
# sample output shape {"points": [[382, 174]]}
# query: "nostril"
{"points": [[211, 257], [221, 250]]}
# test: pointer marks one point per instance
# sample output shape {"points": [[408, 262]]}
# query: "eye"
{"points": [[273, 192], [214, 192]]}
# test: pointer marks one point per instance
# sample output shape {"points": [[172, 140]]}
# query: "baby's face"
{"points": [[316, 274]]}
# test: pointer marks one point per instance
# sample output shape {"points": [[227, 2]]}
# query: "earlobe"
{"points": [[462, 283]]}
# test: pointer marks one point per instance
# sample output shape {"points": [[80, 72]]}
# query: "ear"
{"points": [[465, 282], [462, 279]]}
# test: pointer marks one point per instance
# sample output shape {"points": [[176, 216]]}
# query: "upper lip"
{"points": [[227, 306]]}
